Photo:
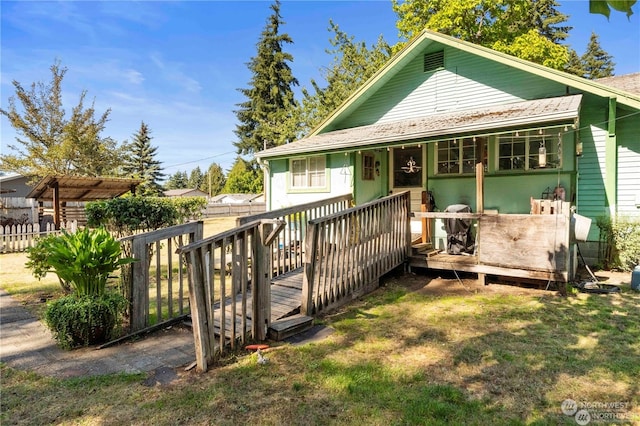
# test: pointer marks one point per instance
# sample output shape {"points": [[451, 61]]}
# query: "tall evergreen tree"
{"points": [[269, 95], [544, 16], [142, 164], [178, 180], [574, 64], [214, 180], [196, 178], [596, 62], [353, 63]]}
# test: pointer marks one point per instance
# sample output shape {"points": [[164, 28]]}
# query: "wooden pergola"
{"points": [[61, 189]]}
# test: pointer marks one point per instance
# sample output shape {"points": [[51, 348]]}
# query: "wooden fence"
{"points": [[155, 284], [222, 270], [233, 209], [18, 238], [287, 249], [347, 252]]}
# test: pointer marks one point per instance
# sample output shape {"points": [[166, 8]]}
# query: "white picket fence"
{"points": [[17, 238]]}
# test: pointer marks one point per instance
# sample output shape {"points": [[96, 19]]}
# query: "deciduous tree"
{"points": [[529, 29], [604, 7], [49, 142], [245, 177]]}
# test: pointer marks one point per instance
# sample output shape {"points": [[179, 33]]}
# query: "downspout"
{"points": [[611, 161], [266, 181]]}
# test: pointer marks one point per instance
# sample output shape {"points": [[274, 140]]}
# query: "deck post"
{"points": [[140, 278], [198, 300], [482, 278], [310, 251], [261, 289], [426, 223]]}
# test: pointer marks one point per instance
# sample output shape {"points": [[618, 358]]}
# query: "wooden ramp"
{"points": [[286, 298]]}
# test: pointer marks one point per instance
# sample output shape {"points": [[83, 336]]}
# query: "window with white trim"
{"points": [[309, 172], [368, 166], [529, 150], [460, 156]]}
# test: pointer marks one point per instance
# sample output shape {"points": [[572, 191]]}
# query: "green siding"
{"points": [[628, 128], [340, 182], [591, 199], [467, 82], [367, 190]]}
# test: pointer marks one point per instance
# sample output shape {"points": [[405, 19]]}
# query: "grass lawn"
{"points": [[420, 350]]}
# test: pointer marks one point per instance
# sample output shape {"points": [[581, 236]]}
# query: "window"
{"points": [[308, 172], [368, 167], [459, 156], [529, 150], [407, 167]]}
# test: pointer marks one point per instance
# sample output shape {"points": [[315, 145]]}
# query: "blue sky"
{"points": [[177, 65]]}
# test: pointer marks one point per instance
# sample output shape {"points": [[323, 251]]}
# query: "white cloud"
{"points": [[173, 73], [134, 76]]}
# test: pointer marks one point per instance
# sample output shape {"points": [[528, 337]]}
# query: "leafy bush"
{"points": [[85, 319], [83, 259], [128, 215], [125, 216], [38, 257], [621, 238], [189, 208]]}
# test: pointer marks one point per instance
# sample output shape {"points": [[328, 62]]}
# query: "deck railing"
{"points": [[222, 270], [347, 252], [286, 251], [155, 285]]}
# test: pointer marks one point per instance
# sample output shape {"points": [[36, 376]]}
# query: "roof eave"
{"points": [[565, 117]]}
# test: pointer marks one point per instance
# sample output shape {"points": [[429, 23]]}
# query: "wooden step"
{"points": [[421, 248], [287, 327]]}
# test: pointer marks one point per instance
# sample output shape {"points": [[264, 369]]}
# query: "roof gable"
{"points": [[429, 40]]}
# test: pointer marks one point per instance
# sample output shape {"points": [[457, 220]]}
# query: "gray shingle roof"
{"points": [[627, 82], [563, 108]]}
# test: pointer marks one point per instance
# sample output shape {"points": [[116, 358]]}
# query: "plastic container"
{"points": [[581, 226], [635, 278]]}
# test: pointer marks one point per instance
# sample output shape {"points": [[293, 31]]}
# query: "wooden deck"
{"points": [[471, 263], [286, 298]]}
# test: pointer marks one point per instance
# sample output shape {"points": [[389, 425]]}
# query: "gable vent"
{"points": [[434, 61]]}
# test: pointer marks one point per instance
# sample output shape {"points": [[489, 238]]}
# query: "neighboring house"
{"points": [[440, 106], [186, 192], [14, 185], [237, 198]]}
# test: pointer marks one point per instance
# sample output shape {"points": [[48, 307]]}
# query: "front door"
{"points": [[408, 172]]}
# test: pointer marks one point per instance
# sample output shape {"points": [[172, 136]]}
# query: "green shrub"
{"points": [[38, 257], [85, 319], [621, 238], [85, 259], [128, 215]]}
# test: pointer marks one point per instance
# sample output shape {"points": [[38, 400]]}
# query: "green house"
{"points": [[440, 106]]}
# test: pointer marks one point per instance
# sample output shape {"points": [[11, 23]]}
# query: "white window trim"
{"points": [[551, 143], [327, 174]]}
